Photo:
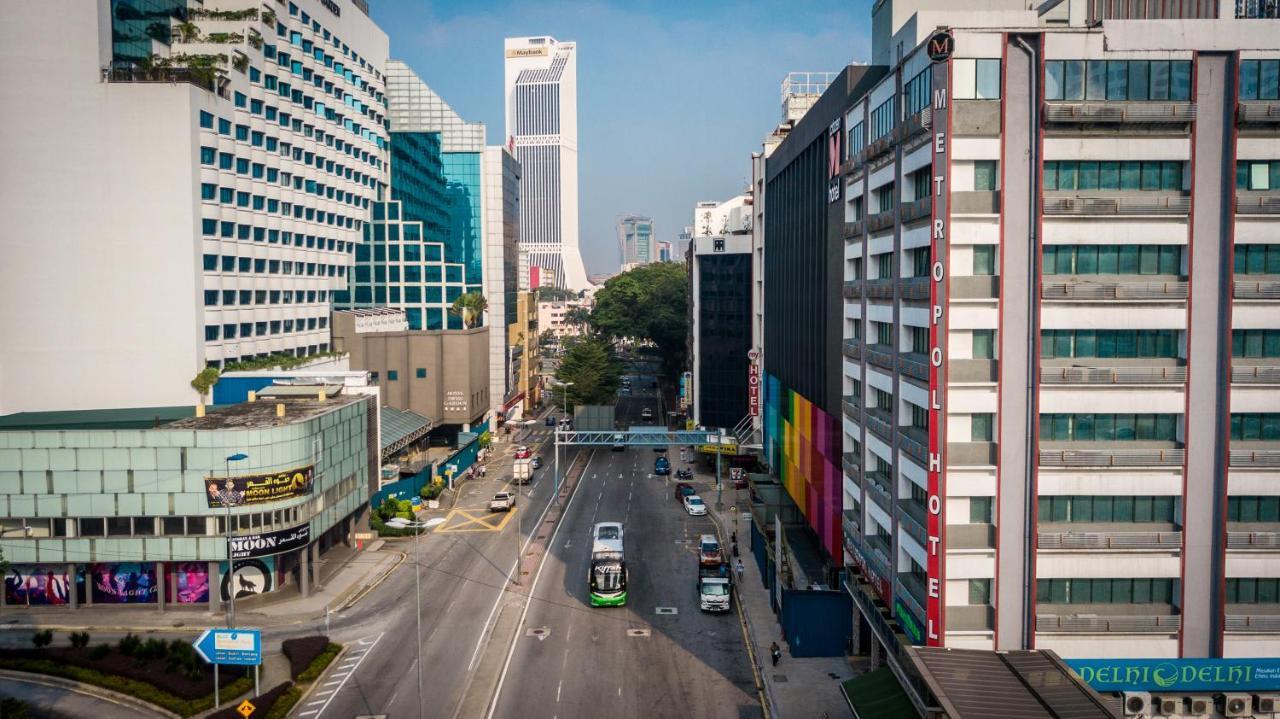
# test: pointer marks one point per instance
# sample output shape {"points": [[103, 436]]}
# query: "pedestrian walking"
{"points": [[737, 567], [776, 652]]}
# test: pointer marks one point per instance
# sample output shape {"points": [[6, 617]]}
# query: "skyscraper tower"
{"points": [[542, 129]]}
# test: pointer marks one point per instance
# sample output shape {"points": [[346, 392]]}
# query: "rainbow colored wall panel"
{"points": [[802, 444]]}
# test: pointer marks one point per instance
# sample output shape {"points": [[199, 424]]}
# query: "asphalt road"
{"points": [[55, 701], [572, 660]]}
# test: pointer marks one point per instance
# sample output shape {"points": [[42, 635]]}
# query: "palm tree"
{"points": [[188, 31], [578, 316], [470, 307]]}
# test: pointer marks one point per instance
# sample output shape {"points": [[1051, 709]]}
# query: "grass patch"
{"points": [[125, 685], [318, 665]]}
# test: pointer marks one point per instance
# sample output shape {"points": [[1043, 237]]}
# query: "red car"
{"points": [[738, 477], [684, 490], [522, 452]]}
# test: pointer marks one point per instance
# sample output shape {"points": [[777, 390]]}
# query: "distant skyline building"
{"points": [[636, 241], [541, 96], [664, 251]]}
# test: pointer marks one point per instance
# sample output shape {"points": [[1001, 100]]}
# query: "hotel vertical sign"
{"points": [[834, 158], [939, 48]]}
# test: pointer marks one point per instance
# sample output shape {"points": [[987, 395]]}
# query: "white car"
{"points": [[694, 505]]}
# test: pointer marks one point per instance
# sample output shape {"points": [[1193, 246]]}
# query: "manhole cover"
{"points": [[539, 632], [665, 610], [780, 678], [637, 632]]}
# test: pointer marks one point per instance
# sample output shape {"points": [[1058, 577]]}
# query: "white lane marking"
{"points": [[506, 665], [335, 681], [313, 711], [371, 645], [619, 691], [558, 687]]}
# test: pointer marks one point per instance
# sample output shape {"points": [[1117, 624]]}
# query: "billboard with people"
{"points": [[123, 583], [37, 585]]}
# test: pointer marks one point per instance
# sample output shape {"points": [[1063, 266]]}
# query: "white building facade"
{"points": [[500, 177], [188, 211], [541, 92]]}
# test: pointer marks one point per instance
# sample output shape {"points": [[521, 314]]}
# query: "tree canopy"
{"points": [[649, 302], [594, 373]]}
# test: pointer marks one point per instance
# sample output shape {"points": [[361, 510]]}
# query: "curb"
{"points": [[318, 680], [763, 690], [360, 593], [88, 690]]}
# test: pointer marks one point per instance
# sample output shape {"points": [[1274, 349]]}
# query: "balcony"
{"points": [[873, 150], [1255, 289], [1116, 204], [1253, 540], [1114, 624], [1091, 291], [913, 519], [1253, 458], [1257, 203], [852, 289], [1258, 112], [1251, 623], [914, 364], [850, 524], [1113, 456], [853, 230], [1119, 113], [971, 454], [974, 202], [917, 210], [973, 370], [877, 420], [970, 618], [204, 78], [880, 220], [852, 349], [917, 124], [1110, 540], [852, 466], [915, 288], [1113, 375], [851, 404], [1247, 374], [971, 536], [912, 593], [878, 484], [879, 548], [915, 442], [881, 356], [881, 288]]}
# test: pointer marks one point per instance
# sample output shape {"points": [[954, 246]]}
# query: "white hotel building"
{"points": [[1061, 315], [177, 199]]}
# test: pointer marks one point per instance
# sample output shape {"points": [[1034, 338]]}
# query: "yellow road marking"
{"points": [[475, 520]]}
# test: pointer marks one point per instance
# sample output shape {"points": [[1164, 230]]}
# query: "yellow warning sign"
{"points": [[246, 708]]}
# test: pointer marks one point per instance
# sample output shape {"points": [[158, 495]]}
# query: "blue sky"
{"points": [[672, 96]]}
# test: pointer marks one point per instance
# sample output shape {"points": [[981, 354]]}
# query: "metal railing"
{"points": [[880, 427], [879, 357], [1113, 375], [1246, 374], [1258, 112], [852, 349], [1119, 624], [880, 220], [917, 209], [850, 464], [1257, 204], [1256, 623], [1255, 289], [1253, 540], [1113, 457], [853, 230], [1174, 290], [851, 404], [917, 450], [914, 125], [912, 518], [205, 79], [1253, 458], [914, 364], [915, 288], [1110, 540], [852, 289], [909, 587], [878, 484], [1136, 204], [1120, 112], [881, 288]]}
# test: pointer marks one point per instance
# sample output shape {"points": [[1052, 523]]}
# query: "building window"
{"points": [[392, 375], [984, 175], [979, 592], [1139, 80], [421, 373], [1242, 508], [919, 418], [884, 265], [916, 93], [881, 400], [920, 340], [1255, 343], [1259, 79], [884, 333], [885, 197], [1253, 590], [975, 79], [1107, 344], [857, 138], [1099, 427], [920, 183], [1114, 259], [1104, 591], [1129, 176], [984, 260], [1252, 426], [882, 120], [980, 426], [1106, 508], [1257, 175], [919, 258], [1257, 259], [980, 510], [984, 344]]}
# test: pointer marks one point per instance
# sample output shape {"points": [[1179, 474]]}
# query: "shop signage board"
{"points": [[260, 488], [1179, 675]]}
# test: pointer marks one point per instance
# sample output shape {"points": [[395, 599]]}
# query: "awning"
{"points": [[400, 428], [877, 694]]}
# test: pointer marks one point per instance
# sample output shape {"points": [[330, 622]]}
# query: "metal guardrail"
{"points": [[915, 288], [917, 209], [1120, 112], [1255, 290], [1109, 540], [881, 288], [1252, 204], [850, 404], [880, 357], [878, 484], [1255, 375], [657, 437], [914, 448], [1120, 205], [1173, 290], [852, 349], [914, 125], [1254, 623], [850, 464], [1119, 624], [880, 427], [853, 230], [913, 524], [852, 289], [1266, 111], [1253, 540], [1253, 458], [1113, 375], [1113, 457]]}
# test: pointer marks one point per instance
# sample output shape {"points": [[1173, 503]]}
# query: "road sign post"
{"points": [[242, 647]]}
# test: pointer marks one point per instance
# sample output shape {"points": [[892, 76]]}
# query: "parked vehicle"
{"points": [[739, 477], [713, 587], [709, 550], [522, 472], [694, 505], [661, 466], [550, 421], [684, 490], [522, 452], [566, 424], [646, 413], [684, 473], [502, 502]]}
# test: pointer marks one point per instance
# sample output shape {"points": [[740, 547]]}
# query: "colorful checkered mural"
{"points": [[802, 444]]}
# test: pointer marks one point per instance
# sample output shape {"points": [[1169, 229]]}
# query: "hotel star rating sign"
{"points": [[230, 646]]}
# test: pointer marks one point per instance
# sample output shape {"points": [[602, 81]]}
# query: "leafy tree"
{"points": [[577, 316], [470, 307], [204, 381], [555, 294], [650, 302], [594, 374]]}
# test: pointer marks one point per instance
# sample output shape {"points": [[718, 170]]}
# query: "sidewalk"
{"points": [[796, 688]]}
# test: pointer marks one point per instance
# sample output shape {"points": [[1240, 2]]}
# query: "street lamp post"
{"points": [[398, 523], [566, 386], [228, 496]]}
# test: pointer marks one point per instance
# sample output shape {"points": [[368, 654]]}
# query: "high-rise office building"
{"points": [[501, 181], [178, 195], [664, 251], [720, 328], [1042, 440], [542, 128], [636, 242]]}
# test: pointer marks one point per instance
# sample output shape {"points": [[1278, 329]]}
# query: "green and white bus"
{"points": [[607, 576]]}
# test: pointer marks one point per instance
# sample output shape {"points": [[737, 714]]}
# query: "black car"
{"points": [[550, 421]]}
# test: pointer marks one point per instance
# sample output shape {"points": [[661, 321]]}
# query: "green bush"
{"points": [[388, 509], [42, 639], [431, 490], [99, 652], [284, 703], [129, 644], [376, 523], [319, 664], [11, 708], [79, 640]]}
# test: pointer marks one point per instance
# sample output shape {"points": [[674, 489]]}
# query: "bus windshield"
{"points": [[608, 577]]}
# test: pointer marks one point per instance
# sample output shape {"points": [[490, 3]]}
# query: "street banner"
{"points": [[259, 488]]}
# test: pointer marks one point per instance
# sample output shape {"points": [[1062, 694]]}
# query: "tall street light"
{"points": [[566, 386], [400, 523], [229, 497]]}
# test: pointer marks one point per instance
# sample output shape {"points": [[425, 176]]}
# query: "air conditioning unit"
{"points": [[1237, 705], [1165, 706], [1266, 703], [1136, 703], [1198, 707]]}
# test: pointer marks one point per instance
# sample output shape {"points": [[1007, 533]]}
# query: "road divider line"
{"points": [[344, 680]]}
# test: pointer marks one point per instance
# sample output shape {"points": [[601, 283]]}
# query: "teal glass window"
{"points": [[1253, 426], [224, 126], [392, 375], [206, 120], [208, 155], [208, 191]]}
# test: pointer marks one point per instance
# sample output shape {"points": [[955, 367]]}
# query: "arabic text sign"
{"points": [[260, 488], [230, 646], [1187, 675], [268, 543]]}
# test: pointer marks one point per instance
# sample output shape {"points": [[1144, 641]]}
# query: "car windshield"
{"points": [[607, 533], [710, 548], [715, 590], [695, 501]]}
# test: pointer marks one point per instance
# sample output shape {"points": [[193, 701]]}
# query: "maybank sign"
{"points": [[1185, 675], [528, 52]]}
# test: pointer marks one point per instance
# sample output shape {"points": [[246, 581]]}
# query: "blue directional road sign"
{"points": [[230, 646]]}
